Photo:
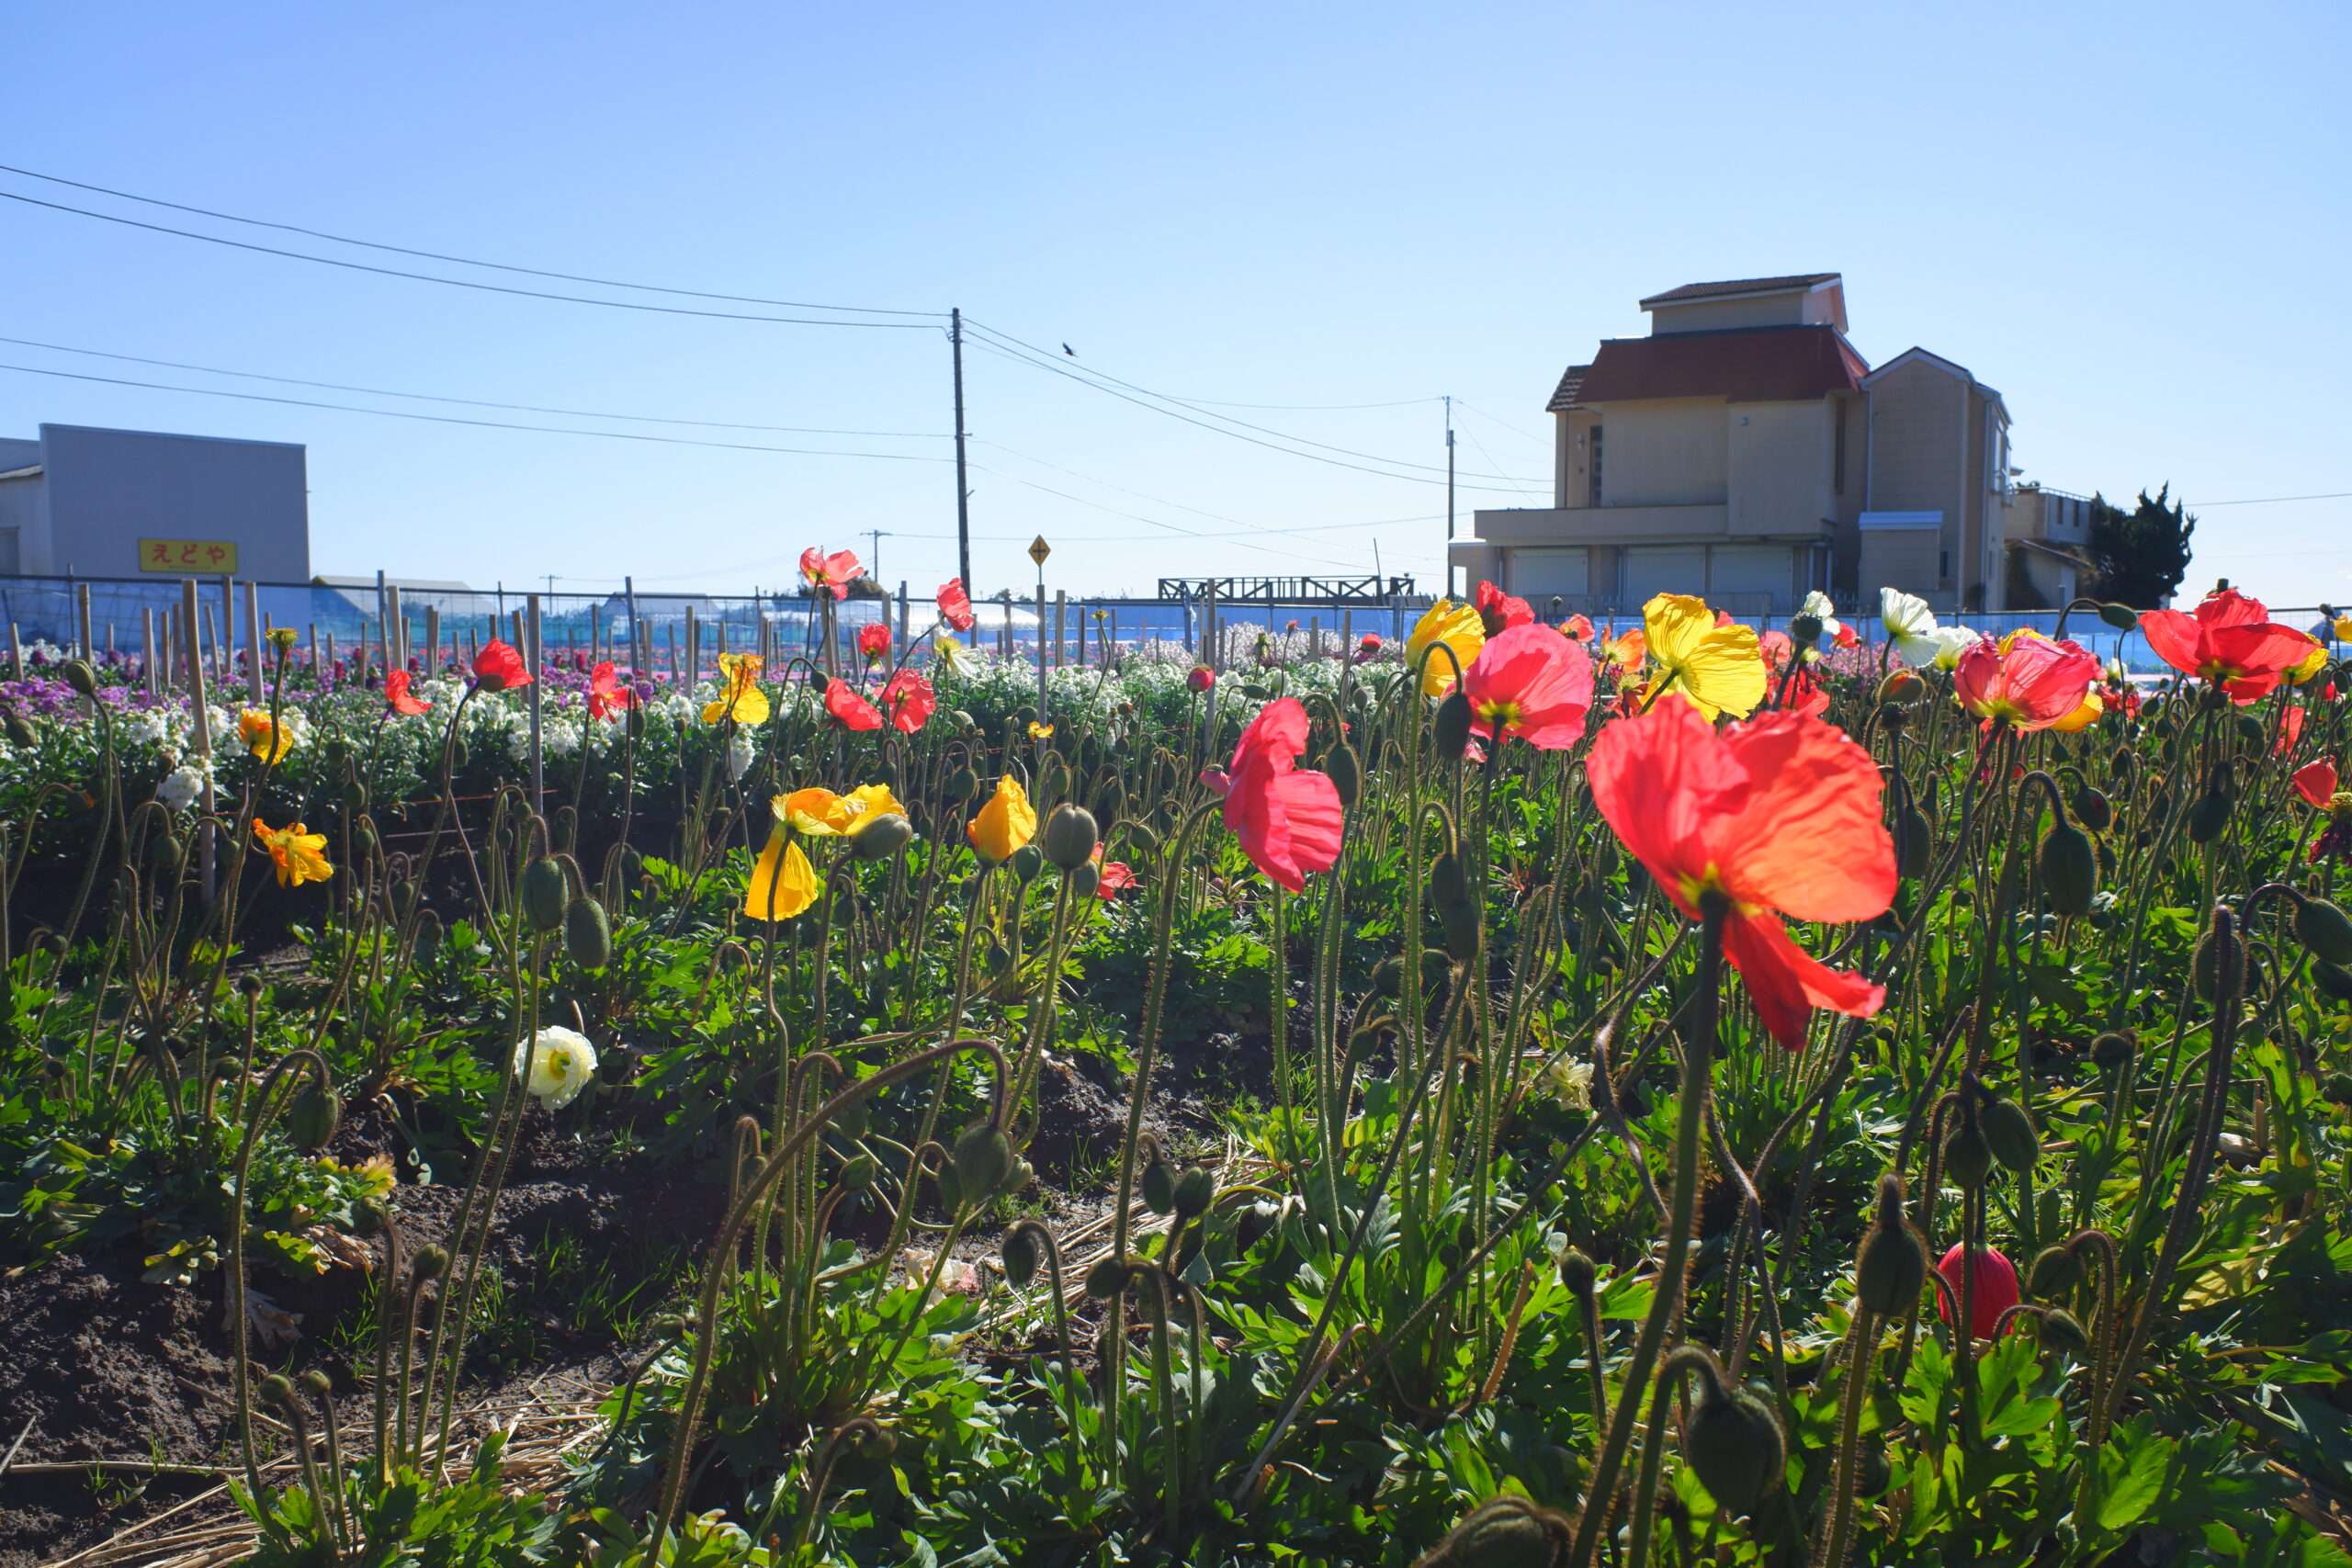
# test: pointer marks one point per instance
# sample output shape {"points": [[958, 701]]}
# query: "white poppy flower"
{"points": [[1816, 604], [1943, 647], [1572, 1081], [559, 1068]]}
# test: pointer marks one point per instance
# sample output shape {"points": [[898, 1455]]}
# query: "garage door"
{"points": [[1537, 574], [1751, 580], [1664, 569]]}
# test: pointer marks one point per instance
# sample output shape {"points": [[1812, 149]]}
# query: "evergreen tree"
{"points": [[2140, 555]]}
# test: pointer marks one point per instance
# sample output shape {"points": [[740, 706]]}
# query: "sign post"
{"points": [[1038, 551]]}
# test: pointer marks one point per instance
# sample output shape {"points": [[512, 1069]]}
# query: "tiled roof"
{"points": [[1729, 285], [1564, 397], [1754, 365]]}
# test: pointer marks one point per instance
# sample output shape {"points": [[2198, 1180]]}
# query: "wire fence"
{"points": [[681, 636]]}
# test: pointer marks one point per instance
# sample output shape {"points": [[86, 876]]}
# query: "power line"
{"points": [[471, 402], [1095, 377], [483, 423], [461, 261], [461, 282], [1219, 430], [1247, 529], [2267, 500], [1154, 522]]}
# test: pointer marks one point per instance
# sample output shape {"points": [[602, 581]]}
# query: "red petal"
{"points": [[1806, 838], [1786, 983]]}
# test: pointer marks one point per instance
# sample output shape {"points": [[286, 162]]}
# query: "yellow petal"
{"points": [[1006, 822], [1716, 669], [871, 801], [817, 811], [783, 883], [1458, 627]]}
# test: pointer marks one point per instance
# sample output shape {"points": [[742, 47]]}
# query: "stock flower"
{"points": [[1288, 821], [834, 571], [1779, 816], [2230, 640], [853, 711], [1533, 682], [397, 695], [558, 1062], [300, 855], [1005, 823], [1456, 628], [955, 604], [2025, 680], [180, 787], [608, 696], [874, 640], [740, 697], [263, 736], [1714, 667], [1499, 612], [908, 698], [783, 882], [497, 668], [1993, 1287]]}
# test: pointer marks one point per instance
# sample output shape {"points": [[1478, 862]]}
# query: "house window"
{"points": [[1592, 470], [1838, 463]]}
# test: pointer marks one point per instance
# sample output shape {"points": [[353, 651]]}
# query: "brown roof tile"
{"points": [[1564, 397], [1755, 364]]}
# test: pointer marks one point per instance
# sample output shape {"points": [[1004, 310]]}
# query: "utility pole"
{"points": [[962, 491], [874, 565], [1449, 494]]}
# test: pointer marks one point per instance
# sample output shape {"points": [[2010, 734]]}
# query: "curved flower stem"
{"points": [[1697, 1054], [1861, 1355]]}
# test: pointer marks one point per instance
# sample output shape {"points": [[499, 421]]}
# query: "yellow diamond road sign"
{"points": [[1039, 550]]}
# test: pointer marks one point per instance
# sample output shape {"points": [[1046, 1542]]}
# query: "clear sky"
{"points": [[2131, 219]]}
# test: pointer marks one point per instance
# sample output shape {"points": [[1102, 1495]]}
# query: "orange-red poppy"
{"points": [[835, 571], [2229, 639], [497, 668], [2026, 681], [398, 696], [1533, 682], [853, 712], [955, 604], [908, 698], [1778, 816], [1288, 821]]}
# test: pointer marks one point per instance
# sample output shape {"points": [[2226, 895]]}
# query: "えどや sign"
{"points": [[207, 556]]}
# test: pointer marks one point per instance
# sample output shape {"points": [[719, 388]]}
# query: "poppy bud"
{"points": [[1201, 679], [882, 836], [2112, 1049], [21, 733], [354, 795], [1020, 1255], [318, 1381], [2333, 980], [2250, 729], [1734, 1445], [80, 677], [981, 1161], [2061, 1330], [1509, 1531], [858, 1174], [1901, 686], [2326, 930], [460, 755], [1892, 1263], [1071, 836], [1447, 885], [1106, 1278], [587, 934], [1160, 1186], [543, 895], [1086, 881], [1915, 842], [2337, 1088], [1019, 1176], [2205, 964], [1450, 730], [1345, 771], [432, 1261], [2069, 868], [1026, 862], [961, 784], [316, 1114], [1195, 1191], [2210, 815], [2008, 1132], [2092, 809], [1577, 1273], [1968, 1159], [1875, 1474], [277, 1389], [163, 855], [428, 936], [2053, 1271], [852, 1121], [2122, 617]]}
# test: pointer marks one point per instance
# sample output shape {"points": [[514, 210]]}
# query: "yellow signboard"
{"points": [[189, 558]]}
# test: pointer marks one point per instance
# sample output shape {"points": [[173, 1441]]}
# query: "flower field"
{"points": [[1540, 1094]]}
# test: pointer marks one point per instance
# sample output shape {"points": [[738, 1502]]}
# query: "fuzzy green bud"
{"points": [[982, 1159], [1734, 1444], [1020, 1255], [544, 894], [2054, 1271], [1450, 729], [2069, 868], [883, 837], [2008, 1131], [587, 934], [1071, 836], [2325, 930]]}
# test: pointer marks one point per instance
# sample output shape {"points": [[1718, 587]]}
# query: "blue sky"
{"points": [[2130, 218]]}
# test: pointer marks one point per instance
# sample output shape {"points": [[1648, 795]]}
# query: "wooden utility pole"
{"points": [[962, 491]]}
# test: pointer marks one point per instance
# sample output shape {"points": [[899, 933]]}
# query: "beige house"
{"points": [[1744, 451]]}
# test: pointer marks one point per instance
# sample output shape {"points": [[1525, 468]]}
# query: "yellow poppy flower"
{"points": [[263, 738], [1005, 823], [2084, 717], [871, 801], [2343, 628], [296, 851], [1717, 669], [783, 883], [1040, 731], [819, 812], [1459, 628], [741, 698], [2310, 664]]}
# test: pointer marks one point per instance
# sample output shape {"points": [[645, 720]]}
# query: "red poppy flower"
{"points": [[2315, 782], [497, 668], [1499, 611], [874, 640], [396, 693], [853, 712], [955, 604], [1533, 682], [1994, 1289], [1578, 628], [1806, 695], [1779, 816], [1202, 678], [607, 697], [2291, 730], [2230, 639], [909, 700], [1776, 648], [1368, 646], [2026, 679], [1116, 878], [1288, 821], [833, 571]]}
